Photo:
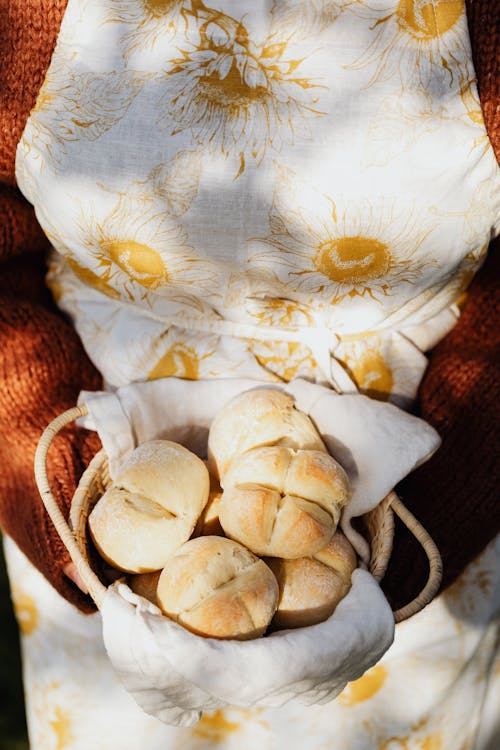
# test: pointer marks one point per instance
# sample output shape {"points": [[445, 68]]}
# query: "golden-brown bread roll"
{"points": [[145, 584], [208, 523], [311, 587], [283, 503], [217, 588], [257, 418], [151, 508]]}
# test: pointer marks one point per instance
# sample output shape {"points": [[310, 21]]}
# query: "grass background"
{"points": [[13, 734]]}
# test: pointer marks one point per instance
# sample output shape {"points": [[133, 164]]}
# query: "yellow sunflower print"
{"points": [[142, 256], [90, 278], [220, 727], [365, 687], [286, 360], [258, 296], [25, 609], [280, 312], [474, 116], [183, 356], [176, 182], [120, 256], [476, 231], [235, 96], [171, 186], [400, 122], [326, 252], [372, 374], [53, 716], [179, 361], [462, 276], [386, 368], [191, 354], [242, 286], [485, 200], [421, 41], [65, 258], [79, 106], [302, 18], [151, 22]]}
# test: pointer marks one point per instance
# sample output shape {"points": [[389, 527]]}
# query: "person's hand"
{"points": [[70, 570]]}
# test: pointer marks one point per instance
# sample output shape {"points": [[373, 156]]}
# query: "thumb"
{"points": [[72, 573]]}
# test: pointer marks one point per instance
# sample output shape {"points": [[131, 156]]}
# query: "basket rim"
{"points": [[97, 590]]}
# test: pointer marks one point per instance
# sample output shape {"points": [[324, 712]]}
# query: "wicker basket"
{"points": [[379, 523]]}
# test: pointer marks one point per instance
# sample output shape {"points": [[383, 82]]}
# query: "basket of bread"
{"points": [[215, 536]]}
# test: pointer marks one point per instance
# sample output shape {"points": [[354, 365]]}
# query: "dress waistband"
{"points": [[321, 340]]}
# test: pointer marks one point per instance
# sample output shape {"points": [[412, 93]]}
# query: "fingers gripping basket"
{"points": [[379, 526]]}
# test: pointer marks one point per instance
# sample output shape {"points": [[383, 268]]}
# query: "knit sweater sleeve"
{"points": [[43, 366], [42, 369], [28, 34], [455, 494]]}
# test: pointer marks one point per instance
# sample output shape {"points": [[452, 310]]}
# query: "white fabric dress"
{"points": [[265, 189], [437, 688]]}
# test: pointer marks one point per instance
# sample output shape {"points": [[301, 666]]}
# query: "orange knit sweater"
{"points": [[43, 366]]}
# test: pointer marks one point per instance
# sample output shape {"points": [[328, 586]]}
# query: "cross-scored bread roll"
{"points": [[281, 502], [208, 523], [151, 508], [257, 418], [217, 588], [145, 584], [311, 587]]}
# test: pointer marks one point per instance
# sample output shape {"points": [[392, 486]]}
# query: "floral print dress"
{"points": [[266, 189]]}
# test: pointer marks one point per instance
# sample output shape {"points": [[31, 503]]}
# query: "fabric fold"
{"points": [[376, 443], [174, 674]]}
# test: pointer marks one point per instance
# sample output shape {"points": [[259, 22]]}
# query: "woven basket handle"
{"points": [[435, 563], [94, 585], [97, 589]]}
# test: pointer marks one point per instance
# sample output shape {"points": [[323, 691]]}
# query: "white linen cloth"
{"points": [[173, 674]]}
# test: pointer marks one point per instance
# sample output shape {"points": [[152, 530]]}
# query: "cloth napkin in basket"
{"points": [[173, 674]]}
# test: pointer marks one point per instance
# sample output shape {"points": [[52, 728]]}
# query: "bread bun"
{"points": [[280, 502], [208, 523], [218, 589], [257, 418], [151, 508], [145, 584], [311, 587]]}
